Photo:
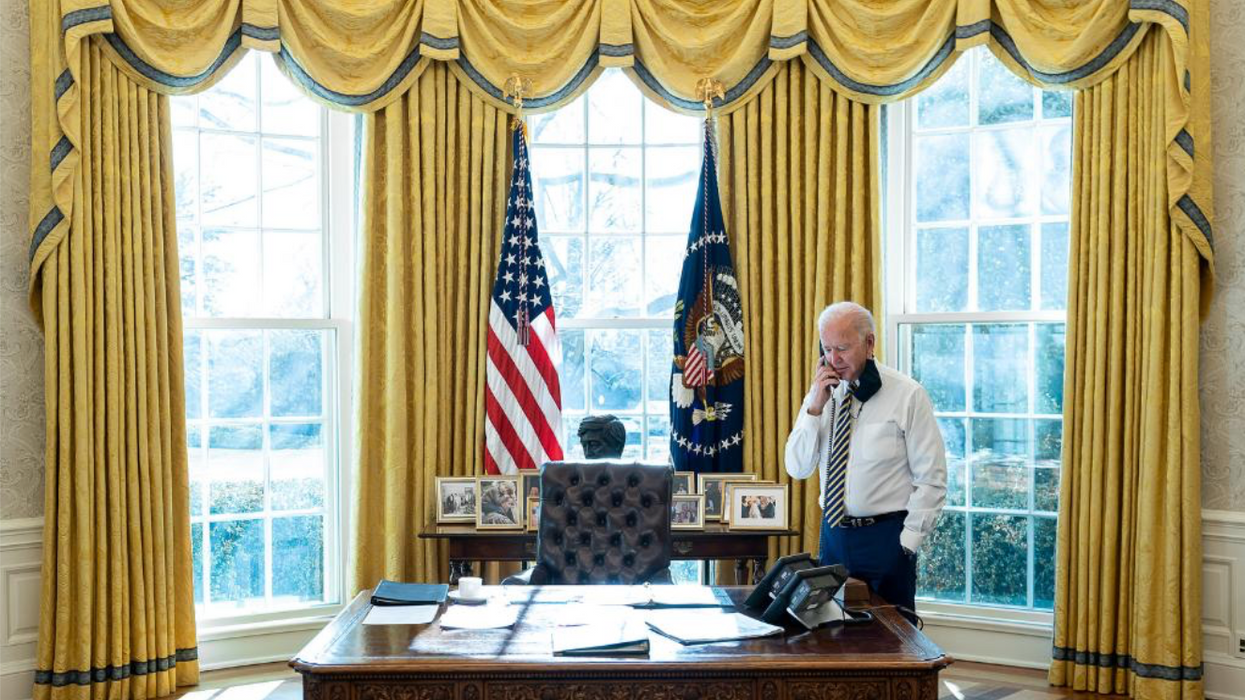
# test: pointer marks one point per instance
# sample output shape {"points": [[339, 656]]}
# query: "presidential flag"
{"points": [[707, 381], [522, 400]]}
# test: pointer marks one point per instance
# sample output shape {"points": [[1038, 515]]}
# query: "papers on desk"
{"points": [[657, 596], [479, 617], [401, 615], [702, 626], [601, 639]]}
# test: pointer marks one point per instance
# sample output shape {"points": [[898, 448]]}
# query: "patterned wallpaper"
{"points": [[21, 345], [1223, 338], [1223, 335]]}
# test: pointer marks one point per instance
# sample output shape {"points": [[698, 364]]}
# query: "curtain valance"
{"points": [[362, 56]]}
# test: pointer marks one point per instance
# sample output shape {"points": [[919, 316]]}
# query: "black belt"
{"points": [[849, 521]]}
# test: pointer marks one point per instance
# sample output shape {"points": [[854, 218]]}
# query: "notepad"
{"points": [[394, 593], [703, 626], [627, 637]]}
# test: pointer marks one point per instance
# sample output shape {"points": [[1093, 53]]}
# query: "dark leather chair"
{"points": [[602, 522]]}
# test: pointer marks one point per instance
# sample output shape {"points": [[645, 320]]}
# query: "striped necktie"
{"points": [[835, 504]]}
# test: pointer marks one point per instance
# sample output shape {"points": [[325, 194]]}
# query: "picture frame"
{"points": [[531, 514], [710, 486], [687, 511], [531, 484], [758, 506], [726, 502], [457, 499], [500, 506], [684, 483]]}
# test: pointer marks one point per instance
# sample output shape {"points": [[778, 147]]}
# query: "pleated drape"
{"points": [[117, 614], [1128, 588], [799, 183], [435, 171]]}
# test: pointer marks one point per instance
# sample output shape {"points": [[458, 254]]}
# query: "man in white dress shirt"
{"points": [[884, 475]]}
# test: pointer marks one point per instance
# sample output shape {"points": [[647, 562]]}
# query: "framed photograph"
{"points": [[684, 483], [710, 486], [500, 506], [532, 514], [531, 484], [728, 506], [456, 499], [687, 512], [756, 506]]}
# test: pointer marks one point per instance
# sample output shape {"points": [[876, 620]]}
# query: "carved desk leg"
{"points": [[458, 569]]}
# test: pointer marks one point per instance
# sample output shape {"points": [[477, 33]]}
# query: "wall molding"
{"points": [[21, 562]]}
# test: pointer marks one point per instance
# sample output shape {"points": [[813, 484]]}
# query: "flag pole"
{"points": [[516, 89], [706, 90]]}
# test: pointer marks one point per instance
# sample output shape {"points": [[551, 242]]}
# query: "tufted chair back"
{"points": [[603, 521]]}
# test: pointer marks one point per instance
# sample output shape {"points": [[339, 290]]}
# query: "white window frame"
{"points": [[899, 255], [245, 638]]}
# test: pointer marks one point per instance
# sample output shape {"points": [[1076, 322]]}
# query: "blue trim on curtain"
{"points": [[616, 50], [536, 102], [64, 81], [85, 16], [437, 42], [943, 53], [152, 73], [261, 33], [786, 42], [734, 93], [59, 151], [971, 30], [1194, 212], [49, 221], [399, 74], [1167, 7], [1185, 141], [104, 674], [1109, 660]]}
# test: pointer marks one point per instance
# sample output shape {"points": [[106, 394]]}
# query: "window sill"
{"points": [[1022, 622], [216, 633]]}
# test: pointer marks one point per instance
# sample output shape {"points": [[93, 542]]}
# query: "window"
{"points": [[978, 193], [615, 178], [265, 283]]}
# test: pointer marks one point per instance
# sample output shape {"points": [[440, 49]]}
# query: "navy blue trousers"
{"points": [[873, 555]]}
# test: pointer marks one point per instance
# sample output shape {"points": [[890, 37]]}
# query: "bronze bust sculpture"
{"points": [[602, 437]]}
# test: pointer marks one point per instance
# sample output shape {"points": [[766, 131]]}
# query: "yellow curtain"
{"points": [[799, 185], [117, 613], [1128, 582], [435, 172]]}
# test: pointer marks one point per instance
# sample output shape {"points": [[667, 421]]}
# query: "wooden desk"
{"points": [[887, 659], [468, 544]]}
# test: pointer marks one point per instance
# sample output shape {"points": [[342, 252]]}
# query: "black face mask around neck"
{"points": [[869, 383]]}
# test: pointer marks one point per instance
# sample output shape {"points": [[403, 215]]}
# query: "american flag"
{"points": [[523, 401]]}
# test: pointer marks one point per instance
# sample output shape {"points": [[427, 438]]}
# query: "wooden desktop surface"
{"points": [[887, 659]]}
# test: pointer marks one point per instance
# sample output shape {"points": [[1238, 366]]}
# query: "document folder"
{"points": [[394, 593], [601, 640]]}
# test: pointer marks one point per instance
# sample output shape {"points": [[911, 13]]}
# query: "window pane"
{"points": [[660, 354], [229, 179], [671, 178], [1000, 365], [192, 359], [293, 274], [1049, 369], [614, 288], [614, 106], [945, 103], [941, 269], [938, 364], [942, 159], [235, 374], [614, 359], [658, 439], [564, 265], [953, 437], [1044, 530], [297, 465], [1000, 463], [188, 257], [230, 104], [1055, 266], [238, 562], [564, 125], [570, 424], [285, 110], [1001, 173], [1056, 169], [1001, 96], [184, 111], [614, 190], [664, 126], [291, 183], [1003, 268], [186, 173], [298, 558], [236, 468], [196, 557], [571, 373], [940, 565], [1048, 439], [663, 268], [558, 187], [634, 447], [1056, 103], [1000, 558], [296, 372], [196, 466], [230, 272]]}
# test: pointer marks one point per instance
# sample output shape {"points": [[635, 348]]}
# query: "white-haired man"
{"points": [[870, 433]]}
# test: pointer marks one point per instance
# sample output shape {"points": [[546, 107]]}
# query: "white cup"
{"points": [[470, 587]]}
